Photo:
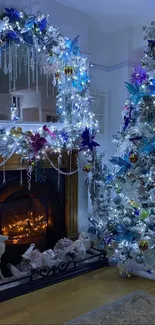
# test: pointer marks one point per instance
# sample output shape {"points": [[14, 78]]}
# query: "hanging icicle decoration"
{"points": [[21, 174], [0, 57], [10, 66], [28, 68], [33, 64], [59, 164], [25, 65], [5, 60], [47, 84], [14, 73], [14, 113], [19, 66], [72, 99], [29, 177], [4, 179], [37, 73], [16, 61]]}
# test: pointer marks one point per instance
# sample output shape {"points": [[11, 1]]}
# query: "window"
{"points": [[16, 101], [98, 107]]}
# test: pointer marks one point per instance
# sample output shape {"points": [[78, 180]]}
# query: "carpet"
{"points": [[137, 308]]}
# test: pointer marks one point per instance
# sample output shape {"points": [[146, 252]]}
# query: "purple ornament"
{"points": [[139, 75]]}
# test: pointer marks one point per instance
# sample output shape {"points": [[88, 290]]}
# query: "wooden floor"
{"points": [[69, 299]]}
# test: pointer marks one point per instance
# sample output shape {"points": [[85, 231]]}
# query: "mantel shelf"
{"points": [[14, 163]]}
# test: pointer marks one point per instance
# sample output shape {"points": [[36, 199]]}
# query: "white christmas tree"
{"points": [[129, 221]]}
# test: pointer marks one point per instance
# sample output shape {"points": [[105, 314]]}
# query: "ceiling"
{"points": [[109, 15], [115, 14]]}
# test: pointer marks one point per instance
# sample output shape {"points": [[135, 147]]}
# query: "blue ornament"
{"points": [[152, 81], [152, 89], [136, 212], [113, 261]]}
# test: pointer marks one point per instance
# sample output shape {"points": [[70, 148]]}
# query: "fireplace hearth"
{"points": [[41, 216]]}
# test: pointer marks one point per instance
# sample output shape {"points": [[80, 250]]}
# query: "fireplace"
{"points": [[42, 215]]}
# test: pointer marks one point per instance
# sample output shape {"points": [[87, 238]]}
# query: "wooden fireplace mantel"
{"points": [[71, 186]]}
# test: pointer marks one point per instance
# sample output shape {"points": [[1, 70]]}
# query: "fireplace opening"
{"points": [[23, 219], [31, 216]]}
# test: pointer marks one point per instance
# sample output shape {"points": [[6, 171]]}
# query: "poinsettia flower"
{"points": [[139, 75], [37, 142], [88, 141]]}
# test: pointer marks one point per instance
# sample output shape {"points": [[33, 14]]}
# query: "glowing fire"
{"points": [[24, 228]]}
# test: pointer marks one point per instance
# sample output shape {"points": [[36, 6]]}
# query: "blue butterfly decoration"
{"points": [[76, 84], [88, 141], [135, 92], [28, 37], [123, 163], [148, 147], [125, 234], [42, 24], [12, 14], [72, 46], [12, 36], [109, 178], [81, 80], [127, 118], [30, 23], [64, 136]]}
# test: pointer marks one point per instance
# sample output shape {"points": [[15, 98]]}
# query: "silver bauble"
{"points": [[140, 259], [127, 222], [117, 199], [134, 113], [113, 261]]}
